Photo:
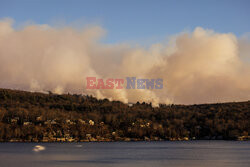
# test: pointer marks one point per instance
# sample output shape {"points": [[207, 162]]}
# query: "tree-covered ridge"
{"points": [[26, 116]]}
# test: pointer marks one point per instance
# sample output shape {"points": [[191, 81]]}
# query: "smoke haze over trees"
{"points": [[202, 66]]}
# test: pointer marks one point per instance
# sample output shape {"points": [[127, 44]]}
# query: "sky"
{"points": [[142, 21]]}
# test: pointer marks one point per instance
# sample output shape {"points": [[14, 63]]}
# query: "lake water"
{"points": [[131, 154]]}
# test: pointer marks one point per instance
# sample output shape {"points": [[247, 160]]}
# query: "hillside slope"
{"points": [[26, 116]]}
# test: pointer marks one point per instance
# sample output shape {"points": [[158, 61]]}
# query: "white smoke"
{"points": [[198, 67]]}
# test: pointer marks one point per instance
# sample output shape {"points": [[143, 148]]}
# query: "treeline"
{"points": [[26, 116]]}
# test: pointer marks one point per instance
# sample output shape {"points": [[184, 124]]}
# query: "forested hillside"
{"points": [[26, 116]]}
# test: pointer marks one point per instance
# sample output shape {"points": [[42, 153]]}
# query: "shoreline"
{"points": [[111, 141]]}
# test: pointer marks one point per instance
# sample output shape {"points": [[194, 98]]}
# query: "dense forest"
{"points": [[40, 117]]}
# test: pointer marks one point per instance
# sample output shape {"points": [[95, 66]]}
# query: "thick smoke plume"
{"points": [[198, 67]]}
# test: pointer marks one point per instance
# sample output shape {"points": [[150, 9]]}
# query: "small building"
{"points": [[62, 139], [40, 118], [88, 135], [81, 121], [68, 121], [45, 139], [13, 121], [70, 139], [91, 122], [47, 122], [53, 122], [27, 123]]}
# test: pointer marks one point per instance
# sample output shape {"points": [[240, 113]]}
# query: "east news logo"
{"points": [[131, 83]]}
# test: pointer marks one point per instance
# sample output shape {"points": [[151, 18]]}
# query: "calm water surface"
{"points": [[131, 154]]}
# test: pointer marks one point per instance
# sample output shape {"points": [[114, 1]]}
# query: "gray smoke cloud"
{"points": [[197, 67]]}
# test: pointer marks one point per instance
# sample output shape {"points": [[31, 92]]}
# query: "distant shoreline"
{"points": [[244, 138], [123, 141]]}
